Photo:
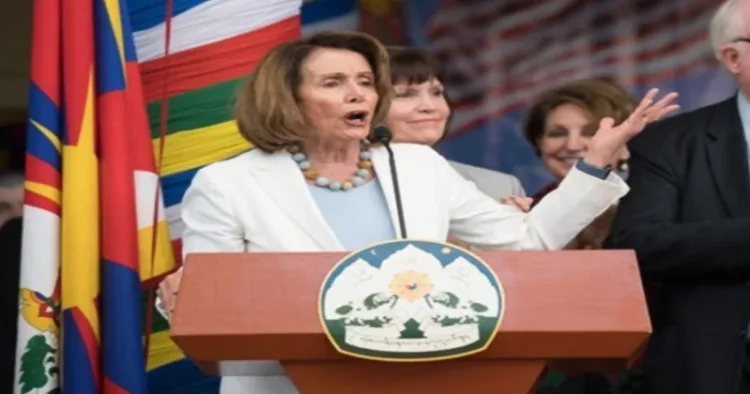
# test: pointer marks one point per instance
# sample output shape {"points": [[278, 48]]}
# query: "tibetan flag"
{"points": [[38, 324], [94, 201]]}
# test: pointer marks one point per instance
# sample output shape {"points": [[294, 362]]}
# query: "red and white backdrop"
{"points": [[500, 55]]}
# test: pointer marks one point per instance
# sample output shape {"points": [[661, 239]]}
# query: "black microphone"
{"points": [[384, 135]]}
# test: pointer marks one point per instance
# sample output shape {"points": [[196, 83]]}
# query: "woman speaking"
{"points": [[315, 182]]}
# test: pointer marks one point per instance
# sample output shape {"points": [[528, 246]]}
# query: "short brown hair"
{"points": [[599, 98], [267, 106], [413, 65]]}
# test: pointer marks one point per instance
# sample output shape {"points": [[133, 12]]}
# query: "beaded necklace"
{"points": [[363, 171]]}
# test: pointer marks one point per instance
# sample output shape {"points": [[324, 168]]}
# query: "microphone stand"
{"points": [[396, 189]]}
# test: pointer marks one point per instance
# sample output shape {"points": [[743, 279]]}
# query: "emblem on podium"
{"points": [[411, 301]]}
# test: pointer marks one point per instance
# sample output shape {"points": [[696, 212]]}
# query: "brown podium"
{"points": [[564, 307]]}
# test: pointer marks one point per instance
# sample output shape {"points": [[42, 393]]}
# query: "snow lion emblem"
{"points": [[411, 301]]}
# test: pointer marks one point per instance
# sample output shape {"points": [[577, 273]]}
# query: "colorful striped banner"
{"points": [[213, 46]]}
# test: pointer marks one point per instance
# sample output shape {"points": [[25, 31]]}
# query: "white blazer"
{"points": [[260, 202]]}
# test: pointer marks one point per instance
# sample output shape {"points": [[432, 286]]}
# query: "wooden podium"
{"points": [[568, 306]]}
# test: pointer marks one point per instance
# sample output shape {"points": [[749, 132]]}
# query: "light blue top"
{"points": [[358, 217], [744, 108]]}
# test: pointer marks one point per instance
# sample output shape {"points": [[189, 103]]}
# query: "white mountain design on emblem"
{"points": [[412, 303]]}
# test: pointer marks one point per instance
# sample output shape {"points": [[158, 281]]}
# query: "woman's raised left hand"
{"points": [[610, 139]]}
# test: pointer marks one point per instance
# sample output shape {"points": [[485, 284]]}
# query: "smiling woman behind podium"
{"points": [[314, 184]]}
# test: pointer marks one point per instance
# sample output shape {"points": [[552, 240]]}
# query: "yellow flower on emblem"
{"points": [[411, 285]]}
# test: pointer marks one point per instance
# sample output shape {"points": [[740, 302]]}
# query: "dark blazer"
{"points": [[10, 272], [688, 218]]}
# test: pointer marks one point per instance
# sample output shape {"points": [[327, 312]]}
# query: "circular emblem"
{"points": [[411, 301]]}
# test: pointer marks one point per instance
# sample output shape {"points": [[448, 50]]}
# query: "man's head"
{"points": [[730, 39], [11, 196]]}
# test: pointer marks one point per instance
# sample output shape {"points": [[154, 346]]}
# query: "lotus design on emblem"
{"points": [[413, 303]]}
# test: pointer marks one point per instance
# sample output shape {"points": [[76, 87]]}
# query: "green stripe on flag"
{"points": [[196, 109]]}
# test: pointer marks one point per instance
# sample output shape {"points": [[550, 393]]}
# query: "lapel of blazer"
{"points": [[283, 181], [727, 156], [383, 171]]}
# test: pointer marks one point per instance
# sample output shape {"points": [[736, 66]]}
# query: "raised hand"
{"points": [[610, 140]]}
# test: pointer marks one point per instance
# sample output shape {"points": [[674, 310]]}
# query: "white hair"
{"points": [[726, 25]]}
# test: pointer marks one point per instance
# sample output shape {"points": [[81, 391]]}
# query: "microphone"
{"points": [[384, 135]]}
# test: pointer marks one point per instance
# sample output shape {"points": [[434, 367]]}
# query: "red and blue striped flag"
{"points": [[93, 208], [38, 323]]}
